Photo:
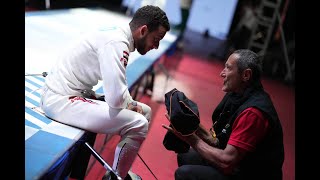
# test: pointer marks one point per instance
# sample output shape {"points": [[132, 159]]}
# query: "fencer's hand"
{"points": [[135, 107]]}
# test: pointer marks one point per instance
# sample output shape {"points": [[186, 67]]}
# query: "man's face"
{"points": [[232, 80], [150, 40]]}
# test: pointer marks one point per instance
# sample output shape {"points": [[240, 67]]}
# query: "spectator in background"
{"points": [[240, 35], [185, 7], [239, 38]]}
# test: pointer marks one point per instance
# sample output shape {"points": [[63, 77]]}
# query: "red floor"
{"points": [[199, 79]]}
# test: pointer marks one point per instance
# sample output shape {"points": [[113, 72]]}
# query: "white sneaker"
{"points": [[132, 176]]}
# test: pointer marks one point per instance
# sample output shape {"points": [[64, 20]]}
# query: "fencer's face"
{"points": [[150, 40], [232, 79]]}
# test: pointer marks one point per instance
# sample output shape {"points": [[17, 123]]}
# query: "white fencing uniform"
{"points": [[101, 56]]}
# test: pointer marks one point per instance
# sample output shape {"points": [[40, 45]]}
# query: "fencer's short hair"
{"points": [[249, 59], [150, 15]]}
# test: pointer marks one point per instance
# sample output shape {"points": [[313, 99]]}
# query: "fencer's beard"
{"points": [[141, 45]]}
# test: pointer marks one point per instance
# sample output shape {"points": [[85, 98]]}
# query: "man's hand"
{"points": [[135, 107], [190, 139], [167, 127]]}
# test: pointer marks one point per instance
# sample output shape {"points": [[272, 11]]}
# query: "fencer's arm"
{"points": [[113, 74]]}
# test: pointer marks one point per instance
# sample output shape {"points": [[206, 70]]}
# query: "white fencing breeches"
{"points": [[96, 116]]}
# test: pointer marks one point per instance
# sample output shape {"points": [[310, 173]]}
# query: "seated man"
{"points": [[68, 96], [246, 139]]}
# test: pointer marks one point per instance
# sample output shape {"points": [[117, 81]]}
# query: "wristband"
{"points": [[134, 103]]}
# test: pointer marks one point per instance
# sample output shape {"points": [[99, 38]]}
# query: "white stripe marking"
{"points": [[63, 130], [30, 131], [35, 120]]}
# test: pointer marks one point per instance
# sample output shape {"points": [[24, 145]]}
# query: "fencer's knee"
{"points": [[138, 128], [148, 112], [148, 109]]}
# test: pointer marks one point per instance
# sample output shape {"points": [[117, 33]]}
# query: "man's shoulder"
{"points": [[253, 110], [105, 37]]}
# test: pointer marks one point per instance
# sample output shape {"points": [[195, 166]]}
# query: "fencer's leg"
{"points": [[133, 133], [147, 113], [96, 116], [125, 153]]}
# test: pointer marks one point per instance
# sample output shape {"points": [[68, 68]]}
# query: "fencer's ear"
{"points": [[246, 75], [143, 30]]}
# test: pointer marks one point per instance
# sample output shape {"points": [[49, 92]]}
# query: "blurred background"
{"points": [[264, 26]]}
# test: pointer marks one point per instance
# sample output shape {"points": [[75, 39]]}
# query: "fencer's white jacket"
{"points": [[98, 56]]}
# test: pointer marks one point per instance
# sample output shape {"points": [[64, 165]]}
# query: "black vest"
{"points": [[267, 160]]}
